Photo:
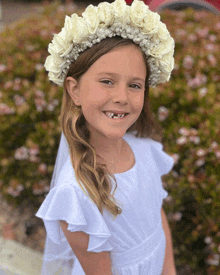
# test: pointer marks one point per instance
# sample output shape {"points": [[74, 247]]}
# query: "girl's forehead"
{"points": [[124, 58]]}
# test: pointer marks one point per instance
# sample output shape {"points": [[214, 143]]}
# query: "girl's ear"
{"points": [[73, 89]]}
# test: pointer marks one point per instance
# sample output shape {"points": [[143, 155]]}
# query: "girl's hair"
{"points": [[90, 174]]}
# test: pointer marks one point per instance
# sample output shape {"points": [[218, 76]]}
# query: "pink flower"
{"points": [[2, 68], [39, 93], [21, 153], [181, 141], [192, 37], [217, 25], [212, 60], [208, 240], [212, 37], [217, 153], [188, 62], [202, 32], [199, 80], [6, 110], [193, 131], [39, 67], [8, 84], [34, 150], [176, 157], [200, 162], [183, 131], [214, 145], [210, 47], [163, 113], [181, 32], [42, 168], [19, 100], [195, 140], [40, 104], [177, 216], [201, 153]]}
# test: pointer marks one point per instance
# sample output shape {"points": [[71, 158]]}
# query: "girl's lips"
{"points": [[117, 117]]}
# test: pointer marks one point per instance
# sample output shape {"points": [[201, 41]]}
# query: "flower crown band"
{"points": [[135, 22]]}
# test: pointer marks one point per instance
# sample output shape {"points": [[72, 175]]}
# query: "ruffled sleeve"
{"points": [[68, 203], [164, 162]]}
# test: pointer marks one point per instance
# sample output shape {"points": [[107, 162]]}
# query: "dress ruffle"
{"points": [[66, 203], [163, 161]]}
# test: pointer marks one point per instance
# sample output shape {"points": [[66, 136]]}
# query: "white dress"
{"points": [[135, 239]]}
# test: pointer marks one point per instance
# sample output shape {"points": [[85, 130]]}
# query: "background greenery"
{"points": [[188, 107]]}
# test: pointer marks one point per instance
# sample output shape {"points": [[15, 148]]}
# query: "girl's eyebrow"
{"points": [[116, 75]]}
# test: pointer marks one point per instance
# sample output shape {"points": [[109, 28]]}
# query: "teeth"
{"points": [[112, 115]]}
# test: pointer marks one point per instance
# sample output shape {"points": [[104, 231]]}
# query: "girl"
{"points": [[103, 214]]}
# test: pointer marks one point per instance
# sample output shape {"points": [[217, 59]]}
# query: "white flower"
{"points": [[91, 17], [151, 23], [105, 12], [167, 62], [163, 33], [60, 44], [53, 63], [121, 11], [165, 47], [79, 30], [138, 12]]}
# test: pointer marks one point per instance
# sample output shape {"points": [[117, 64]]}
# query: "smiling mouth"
{"points": [[115, 116]]}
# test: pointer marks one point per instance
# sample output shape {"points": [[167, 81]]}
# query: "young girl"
{"points": [[103, 214]]}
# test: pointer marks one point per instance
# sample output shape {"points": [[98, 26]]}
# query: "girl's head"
{"points": [[89, 90], [132, 44]]}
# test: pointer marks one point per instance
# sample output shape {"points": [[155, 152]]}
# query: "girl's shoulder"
{"points": [[150, 151]]}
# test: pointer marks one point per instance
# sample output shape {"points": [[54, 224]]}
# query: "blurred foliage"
{"points": [[188, 108]]}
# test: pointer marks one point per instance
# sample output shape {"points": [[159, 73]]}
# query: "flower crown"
{"points": [[135, 22]]}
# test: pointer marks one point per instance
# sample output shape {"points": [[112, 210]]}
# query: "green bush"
{"points": [[187, 107]]}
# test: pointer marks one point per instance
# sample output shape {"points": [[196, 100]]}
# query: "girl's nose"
{"points": [[121, 94]]}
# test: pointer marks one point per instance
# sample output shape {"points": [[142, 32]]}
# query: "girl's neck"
{"points": [[116, 155]]}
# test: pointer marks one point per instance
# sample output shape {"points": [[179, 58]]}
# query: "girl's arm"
{"points": [[92, 263], [169, 265]]}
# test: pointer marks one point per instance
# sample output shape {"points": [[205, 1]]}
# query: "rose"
{"points": [[77, 28], [151, 23], [60, 46], [105, 12], [121, 11], [91, 17], [54, 63], [163, 33], [138, 12], [163, 48], [53, 78]]}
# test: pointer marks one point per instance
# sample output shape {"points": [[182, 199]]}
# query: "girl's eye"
{"points": [[137, 86], [106, 81]]}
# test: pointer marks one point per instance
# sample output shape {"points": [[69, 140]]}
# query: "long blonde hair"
{"points": [[93, 176]]}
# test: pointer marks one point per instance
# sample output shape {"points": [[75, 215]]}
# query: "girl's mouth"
{"points": [[115, 116]]}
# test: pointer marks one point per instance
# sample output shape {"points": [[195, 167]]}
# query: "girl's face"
{"points": [[114, 84]]}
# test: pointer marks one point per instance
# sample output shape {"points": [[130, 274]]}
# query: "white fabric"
{"points": [[135, 239]]}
